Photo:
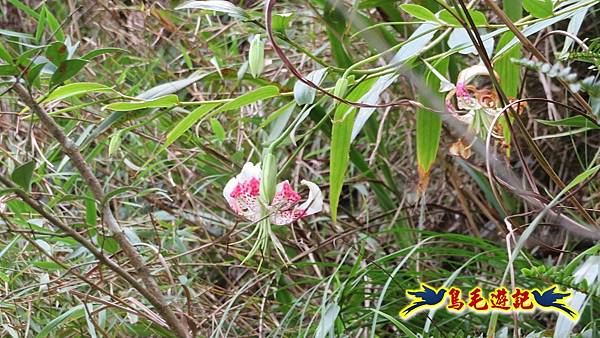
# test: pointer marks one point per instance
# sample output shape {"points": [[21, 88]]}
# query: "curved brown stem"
{"points": [[290, 66]]}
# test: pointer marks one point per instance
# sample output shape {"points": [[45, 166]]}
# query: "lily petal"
{"points": [[249, 171], [242, 192], [468, 74], [314, 203], [284, 209]]}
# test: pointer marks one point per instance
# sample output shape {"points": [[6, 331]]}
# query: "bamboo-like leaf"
{"points": [[215, 5], [66, 70], [78, 88], [187, 122], [218, 129], [478, 18], [57, 52], [54, 25], [397, 323], [539, 25], [101, 51], [22, 175], [73, 313], [539, 8], [152, 93], [41, 26], [20, 5], [429, 127], [335, 17], [573, 121], [419, 12], [251, 97], [166, 101], [341, 137]]}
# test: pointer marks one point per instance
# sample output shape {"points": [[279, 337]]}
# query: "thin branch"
{"points": [[71, 149]]}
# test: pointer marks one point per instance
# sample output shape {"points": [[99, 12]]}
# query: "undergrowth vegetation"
{"points": [[291, 168]]}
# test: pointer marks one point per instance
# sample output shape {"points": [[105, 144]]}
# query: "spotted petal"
{"points": [[242, 192], [284, 208]]}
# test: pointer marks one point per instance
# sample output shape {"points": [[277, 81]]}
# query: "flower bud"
{"points": [[340, 87], [268, 180], [256, 56]]}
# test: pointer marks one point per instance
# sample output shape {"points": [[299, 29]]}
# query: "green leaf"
{"points": [[102, 51], [278, 113], [580, 178], [419, 12], [4, 277], [303, 94], [77, 88], [114, 193], [55, 26], [166, 101], [14, 34], [429, 124], [513, 9], [341, 137], [90, 211], [170, 87], [335, 18], [574, 121], [8, 70], [34, 72], [539, 8], [51, 266], [66, 70], [73, 313], [22, 175], [20, 5], [281, 21], [478, 18], [508, 71], [39, 30], [397, 323], [4, 54], [57, 52], [217, 129], [187, 122], [108, 244], [251, 97], [215, 5]]}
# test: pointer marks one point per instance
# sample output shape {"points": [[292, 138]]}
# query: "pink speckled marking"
{"points": [[286, 197], [461, 90], [245, 201], [283, 211]]}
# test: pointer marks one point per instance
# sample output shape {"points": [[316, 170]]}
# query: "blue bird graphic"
{"points": [[424, 297], [551, 299]]}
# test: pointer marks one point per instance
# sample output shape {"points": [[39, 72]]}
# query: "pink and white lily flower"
{"points": [[243, 195]]}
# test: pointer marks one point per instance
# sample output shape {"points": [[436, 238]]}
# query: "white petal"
{"points": [[245, 202], [314, 203], [249, 171], [229, 189], [470, 73]]}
